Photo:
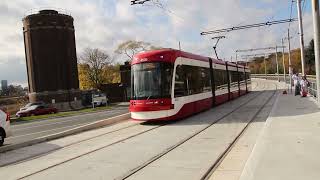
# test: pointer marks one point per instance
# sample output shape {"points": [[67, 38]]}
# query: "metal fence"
{"points": [[312, 89]]}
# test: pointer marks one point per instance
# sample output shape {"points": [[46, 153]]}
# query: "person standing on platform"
{"points": [[296, 83], [304, 83]]}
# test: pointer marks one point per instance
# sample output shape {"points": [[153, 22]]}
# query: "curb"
{"points": [[94, 125]]}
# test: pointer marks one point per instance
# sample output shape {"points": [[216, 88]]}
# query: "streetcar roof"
{"points": [[170, 55]]}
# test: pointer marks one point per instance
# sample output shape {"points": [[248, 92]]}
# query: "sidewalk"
{"points": [[288, 147]]}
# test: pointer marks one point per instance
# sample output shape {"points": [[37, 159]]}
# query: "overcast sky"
{"points": [[106, 23]]}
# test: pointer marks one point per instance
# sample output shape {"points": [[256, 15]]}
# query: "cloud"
{"points": [[106, 23]]}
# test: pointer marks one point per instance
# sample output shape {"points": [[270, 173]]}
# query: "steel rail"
{"points": [[131, 172], [215, 165], [76, 142], [158, 156]]}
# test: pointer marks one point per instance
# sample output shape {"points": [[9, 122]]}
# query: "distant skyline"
{"points": [[106, 23]]}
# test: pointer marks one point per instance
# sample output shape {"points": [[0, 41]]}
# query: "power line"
{"points": [[134, 2], [266, 48], [268, 23], [264, 60], [164, 8], [257, 49], [256, 55], [218, 37], [304, 7]]}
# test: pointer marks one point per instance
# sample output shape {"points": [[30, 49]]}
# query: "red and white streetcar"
{"points": [[170, 84]]}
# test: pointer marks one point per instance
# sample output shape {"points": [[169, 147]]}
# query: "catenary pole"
{"points": [[283, 63], [277, 63], [236, 56], [290, 67], [316, 23], [246, 61], [301, 36], [265, 66]]}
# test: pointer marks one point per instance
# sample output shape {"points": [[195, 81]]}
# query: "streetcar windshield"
{"points": [[151, 80]]}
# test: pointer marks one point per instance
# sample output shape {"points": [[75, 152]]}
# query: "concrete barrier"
{"points": [[75, 130]]}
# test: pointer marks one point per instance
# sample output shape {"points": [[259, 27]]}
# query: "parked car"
{"points": [[32, 104], [4, 126], [99, 99], [36, 110]]}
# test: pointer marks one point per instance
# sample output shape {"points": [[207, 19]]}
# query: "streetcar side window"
{"points": [[220, 77], [198, 79], [191, 80], [180, 85], [205, 79], [248, 77], [194, 75], [242, 77], [233, 78]]}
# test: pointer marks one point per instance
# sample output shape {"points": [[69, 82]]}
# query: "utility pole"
{"points": [[265, 66], [290, 67], [179, 46], [236, 56], [301, 36], [283, 63], [316, 23], [247, 61], [277, 63]]}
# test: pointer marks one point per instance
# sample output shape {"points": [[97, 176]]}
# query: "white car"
{"points": [[99, 100], [4, 126]]}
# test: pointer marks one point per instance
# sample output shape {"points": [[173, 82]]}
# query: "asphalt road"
{"points": [[23, 132]]}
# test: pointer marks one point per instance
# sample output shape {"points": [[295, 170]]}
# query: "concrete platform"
{"points": [[289, 145]]}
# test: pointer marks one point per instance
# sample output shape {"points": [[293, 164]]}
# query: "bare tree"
{"points": [[130, 48], [96, 61]]}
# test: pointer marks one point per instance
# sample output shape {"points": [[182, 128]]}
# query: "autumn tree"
{"points": [[112, 73], [93, 64], [130, 48], [84, 81]]}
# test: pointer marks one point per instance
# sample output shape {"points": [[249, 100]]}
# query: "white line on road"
{"points": [[61, 122], [12, 137]]}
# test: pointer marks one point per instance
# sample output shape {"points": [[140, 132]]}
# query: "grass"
{"points": [[63, 114]]}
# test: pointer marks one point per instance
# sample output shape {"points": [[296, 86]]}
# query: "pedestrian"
{"points": [[304, 83], [296, 83]]}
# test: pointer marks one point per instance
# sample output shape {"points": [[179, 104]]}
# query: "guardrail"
{"points": [[309, 77], [312, 89]]}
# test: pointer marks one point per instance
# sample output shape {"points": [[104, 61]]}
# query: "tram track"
{"points": [[91, 138], [127, 138], [157, 157], [214, 166], [68, 145], [131, 172]]}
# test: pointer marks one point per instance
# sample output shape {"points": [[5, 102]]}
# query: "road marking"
{"points": [[60, 122], [12, 137], [61, 117]]}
